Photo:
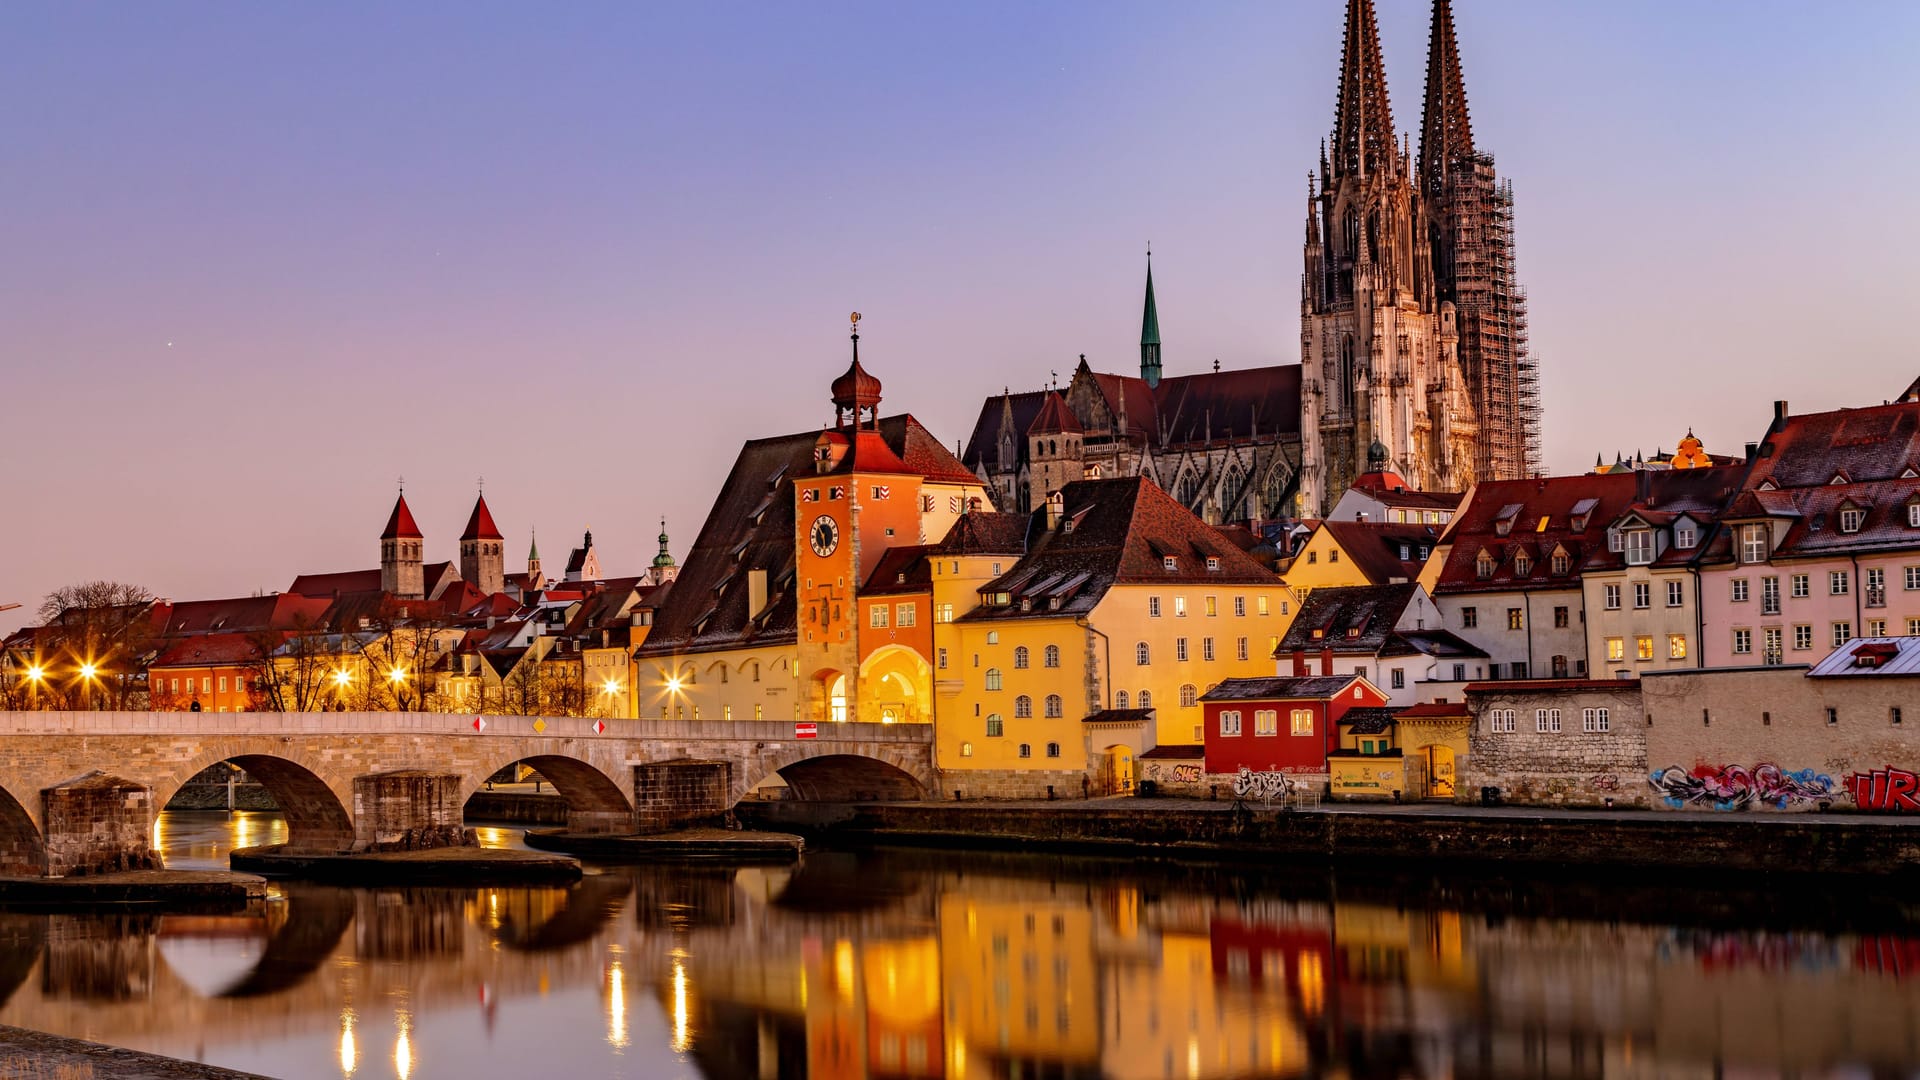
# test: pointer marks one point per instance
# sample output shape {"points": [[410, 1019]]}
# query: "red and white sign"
{"points": [[479, 723], [599, 726], [806, 730]]}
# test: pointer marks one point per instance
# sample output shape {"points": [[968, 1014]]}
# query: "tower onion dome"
{"points": [[856, 390]]}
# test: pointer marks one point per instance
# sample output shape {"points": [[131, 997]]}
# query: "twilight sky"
{"points": [[263, 259]]}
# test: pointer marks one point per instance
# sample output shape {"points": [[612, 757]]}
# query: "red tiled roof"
{"points": [[1516, 686], [400, 524], [1865, 445], [337, 584], [1436, 710], [900, 570], [241, 614], [1054, 418], [1280, 688], [1174, 752], [480, 525], [214, 650], [986, 532], [1374, 547], [1541, 514]]}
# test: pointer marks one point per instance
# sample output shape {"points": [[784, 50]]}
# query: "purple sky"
{"points": [[261, 260]]}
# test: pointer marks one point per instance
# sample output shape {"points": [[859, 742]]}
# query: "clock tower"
{"points": [[860, 500]]}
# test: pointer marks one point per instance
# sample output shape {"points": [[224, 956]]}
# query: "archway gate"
{"points": [[79, 791]]}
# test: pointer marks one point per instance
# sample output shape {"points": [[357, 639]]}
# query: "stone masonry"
{"points": [[1570, 766], [670, 794]]}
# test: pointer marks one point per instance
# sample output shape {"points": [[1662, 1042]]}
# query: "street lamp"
{"points": [[399, 676], [341, 679]]}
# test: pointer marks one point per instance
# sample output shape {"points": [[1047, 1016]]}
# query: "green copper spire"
{"points": [[665, 558], [533, 546], [1150, 333]]}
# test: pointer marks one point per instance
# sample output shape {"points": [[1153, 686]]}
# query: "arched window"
{"points": [[1146, 699], [1053, 749], [1026, 749], [1141, 655], [993, 678], [1022, 707], [1054, 706], [1020, 658], [1188, 698], [1188, 489], [1119, 699], [1052, 656], [994, 727], [1343, 388]]}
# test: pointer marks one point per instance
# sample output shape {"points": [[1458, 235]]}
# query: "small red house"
{"points": [[1285, 724]]}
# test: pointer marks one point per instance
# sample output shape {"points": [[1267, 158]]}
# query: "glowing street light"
{"points": [[341, 679], [36, 674], [399, 676], [673, 684], [611, 687], [87, 671]]}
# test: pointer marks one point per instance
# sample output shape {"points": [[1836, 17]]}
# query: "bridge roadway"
{"points": [[79, 790]]}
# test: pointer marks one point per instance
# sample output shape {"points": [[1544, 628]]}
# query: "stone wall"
{"points": [[670, 794], [1762, 739], [98, 824], [1569, 767], [408, 810], [1014, 784]]}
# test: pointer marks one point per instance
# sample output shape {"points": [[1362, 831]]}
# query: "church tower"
{"points": [[1380, 372], [535, 579], [483, 551], [1149, 335], [663, 569], [402, 569], [1470, 214], [1054, 455]]}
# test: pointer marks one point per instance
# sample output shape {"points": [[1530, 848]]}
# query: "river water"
{"points": [[913, 964]]}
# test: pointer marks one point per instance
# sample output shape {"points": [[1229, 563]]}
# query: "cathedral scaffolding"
{"points": [[1478, 275]]}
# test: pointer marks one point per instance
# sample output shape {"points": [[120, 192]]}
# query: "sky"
{"points": [[264, 260]]}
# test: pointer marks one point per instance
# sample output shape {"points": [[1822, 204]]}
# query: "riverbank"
{"points": [[432, 866], [731, 846], [36, 1055], [1546, 840], [211, 890]]}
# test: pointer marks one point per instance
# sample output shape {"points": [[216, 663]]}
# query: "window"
{"points": [[1153, 607], [1267, 721], [1743, 641], [1876, 628], [1611, 594], [1302, 720], [1833, 716], [1639, 547], [941, 654], [1546, 720], [877, 619], [1913, 627], [995, 728], [1333, 556], [993, 678], [1876, 583], [1213, 562], [1053, 749], [1753, 544], [1051, 657], [1802, 586], [966, 749], [1483, 564], [1684, 535], [1213, 606], [759, 712], [1842, 632], [1771, 643], [1676, 594], [1593, 720], [943, 613], [1739, 590], [1838, 582], [1643, 647], [1026, 750], [1239, 607], [1179, 607], [1469, 617], [1561, 616], [1119, 699], [1616, 648], [1851, 518], [1502, 721], [1677, 646], [1189, 697], [1260, 605], [1146, 699], [993, 637], [1514, 621], [1229, 723], [1170, 563], [1522, 565], [1180, 649], [1140, 654], [905, 615], [1769, 596], [1642, 594], [206, 684], [1803, 636], [1912, 573], [1054, 708], [1022, 707], [1561, 563], [223, 684], [1206, 648], [1399, 679], [1020, 656], [1240, 648]]}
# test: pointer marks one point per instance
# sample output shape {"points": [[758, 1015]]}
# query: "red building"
{"points": [[1285, 724]]}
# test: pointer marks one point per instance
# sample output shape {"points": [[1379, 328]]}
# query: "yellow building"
{"points": [[1021, 986], [1184, 1016], [1360, 553]]}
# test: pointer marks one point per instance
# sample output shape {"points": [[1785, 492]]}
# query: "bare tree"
{"points": [[99, 636], [293, 669]]}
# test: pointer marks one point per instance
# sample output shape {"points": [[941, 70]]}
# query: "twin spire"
{"points": [[1363, 132]]}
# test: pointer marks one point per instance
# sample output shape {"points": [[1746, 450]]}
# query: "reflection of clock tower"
{"points": [[860, 500]]}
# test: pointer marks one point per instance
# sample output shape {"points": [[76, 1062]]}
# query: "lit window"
{"points": [[1643, 647], [1677, 646], [993, 678], [1616, 648], [1179, 607], [1514, 620], [1212, 607], [1302, 720], [1260, 605], [966, 749]]}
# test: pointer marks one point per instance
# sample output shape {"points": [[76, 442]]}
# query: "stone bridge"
{"points": [[79, 791]]}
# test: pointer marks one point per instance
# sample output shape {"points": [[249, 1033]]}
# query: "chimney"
{"points": [[1326, 659], [1360, 516], [1779, 410], [756, 593], [1753, 450], [1056, 509], [1299, 662], [1642, 485]]}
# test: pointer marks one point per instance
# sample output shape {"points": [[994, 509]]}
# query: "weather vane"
{"points": [[402, 481]]}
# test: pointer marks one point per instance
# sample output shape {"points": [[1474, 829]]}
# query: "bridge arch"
{"points": [[315, 808], [596, 802], [838, 774], [23, 848]]}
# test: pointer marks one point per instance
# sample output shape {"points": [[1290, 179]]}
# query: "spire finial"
{"points": [[402, 481], [481, 483], [1446, 131], [1363, 139]]}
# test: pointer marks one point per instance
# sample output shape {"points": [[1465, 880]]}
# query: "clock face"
{"points": [[824, 535]]}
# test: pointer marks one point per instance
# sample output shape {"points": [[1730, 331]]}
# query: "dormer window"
{"points": [[1562, 562], [1483, 564], [1170, 563], [1913, 514], [1318, 633], [1839, 478], [1522, 565], [1769, 485], [1851, 518], [1685, 535], [1213, 562], [1639, 546], [1753, 544], [1582, 511], [1503, 525], [1353, 631]]}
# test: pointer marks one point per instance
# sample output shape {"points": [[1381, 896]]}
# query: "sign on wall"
{"points": [[806, 729]]}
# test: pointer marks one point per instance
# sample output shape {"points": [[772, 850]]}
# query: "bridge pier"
{"points": [[669, 794], [408, 809], [98, 824]]}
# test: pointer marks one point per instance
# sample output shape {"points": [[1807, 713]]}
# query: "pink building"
{"points": [[1822, 541]]}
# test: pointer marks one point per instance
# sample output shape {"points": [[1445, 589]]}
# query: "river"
{"points": [[915, 964]]}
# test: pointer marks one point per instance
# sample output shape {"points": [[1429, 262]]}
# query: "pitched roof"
{"points": [[242, 614], [1280, 688], [1436, 710], [1368, 720], [346, 581], [1054, 417], [212, 650], [480, 525], [1871, 656], [1119, 716], [1119, 531], [1539, 516], [1663, 498], [986, 532], [400, 524], [901, 570], [1375, 547], [1349, 619], [1877, 443], [1209, 407]]}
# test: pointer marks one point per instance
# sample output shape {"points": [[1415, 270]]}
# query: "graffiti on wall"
{"points": [[1885, 789], [1173, 774], [1736, 787], [1265, 786]]}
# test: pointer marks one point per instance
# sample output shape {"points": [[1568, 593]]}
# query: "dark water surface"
{"points": [[915, 964]]}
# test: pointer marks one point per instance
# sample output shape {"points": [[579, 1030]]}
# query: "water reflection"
{"points": [[895, 965]]}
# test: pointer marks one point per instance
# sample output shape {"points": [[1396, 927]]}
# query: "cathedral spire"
{"points": [[1363, 139], [1150, 332], [1446, 132]]}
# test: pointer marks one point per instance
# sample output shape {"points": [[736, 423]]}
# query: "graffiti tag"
{"points": [[1604, 782], [1186, 774], [1735, 787], [1885, 789], [1265, 786]]}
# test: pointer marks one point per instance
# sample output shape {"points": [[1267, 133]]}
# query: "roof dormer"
{"points": [[1483, 564], [1851, 516], [1582, 511], [1840, 477], [1503, 522]]}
